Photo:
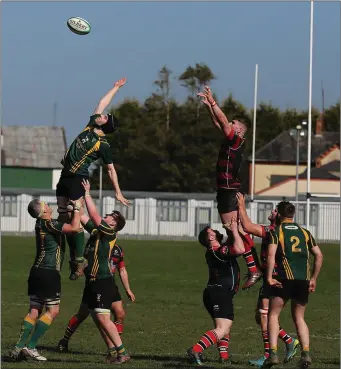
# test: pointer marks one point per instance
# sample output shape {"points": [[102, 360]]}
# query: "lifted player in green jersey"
{"points": [[290, 279], [44, 287], [89, 146]]}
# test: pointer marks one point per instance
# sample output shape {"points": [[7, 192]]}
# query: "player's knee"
{"points": [[53, 311]]}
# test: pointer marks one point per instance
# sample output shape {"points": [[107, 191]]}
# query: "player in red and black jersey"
{"points": [[262, 308], [228, 181], [222, 285]]}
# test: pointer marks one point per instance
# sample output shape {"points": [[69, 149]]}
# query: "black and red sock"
{"points": [[283, 335], [119, 326], [266, 344], [208, 339], [223, 347], [71, 328]]}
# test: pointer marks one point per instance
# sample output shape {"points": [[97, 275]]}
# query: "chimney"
{"points": [[319, 128]]}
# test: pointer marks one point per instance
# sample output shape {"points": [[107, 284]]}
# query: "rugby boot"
{"points": [[258, 363], [271, 361], [305, 361], [291, 349], [32, 354], [63, 345], [77, 269], [16, 354], [252, 279], [121, 359], [194, 356]]}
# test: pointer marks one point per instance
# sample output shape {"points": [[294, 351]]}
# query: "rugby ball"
{"points": [[78, 25]]}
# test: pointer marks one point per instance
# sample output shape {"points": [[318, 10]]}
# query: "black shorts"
{"points": [[264, 291], [44, 286], [218, 302], [100, 294], [70, 187], [226, 200], [297, 290]]}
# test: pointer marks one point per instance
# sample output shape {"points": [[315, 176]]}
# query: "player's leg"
{"points": [[100, 299], [291, 344], [74, 323], [76, 241], [299, 302], [119, 313], [48, 290], [261, 317], [228, 209], [36, 307], [277, 304]]}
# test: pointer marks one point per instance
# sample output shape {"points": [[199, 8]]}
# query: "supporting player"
{"points": [[229, 162], [222, 285], [100, 288], [89, 146], [117, 309], [262, 307], [289, 251], [44, 287]]}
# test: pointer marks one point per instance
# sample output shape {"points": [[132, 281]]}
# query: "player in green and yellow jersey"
{"points": [[89, 146], [100, 289], [44, 287], [288, 274]]}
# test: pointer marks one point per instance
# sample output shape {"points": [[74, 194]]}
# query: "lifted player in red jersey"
{"points": [[261, 316], [230, 159]]}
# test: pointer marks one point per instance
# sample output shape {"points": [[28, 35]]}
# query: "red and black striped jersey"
{"points": [[116, 259], [266, 240], [230, 159]]}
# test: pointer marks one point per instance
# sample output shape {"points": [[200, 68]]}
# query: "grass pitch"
{"points": [[168, 279]]}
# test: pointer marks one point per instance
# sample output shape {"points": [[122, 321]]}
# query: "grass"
{"points": [[168, 279]]}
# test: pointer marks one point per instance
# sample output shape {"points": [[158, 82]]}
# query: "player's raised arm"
{"points": [[107, 98], [90, 205], [114, 180], [247, 224], [225, 125], [209, 108]]}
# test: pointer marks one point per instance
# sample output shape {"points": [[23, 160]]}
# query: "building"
{"points": [[31, 155], [275, 165]]}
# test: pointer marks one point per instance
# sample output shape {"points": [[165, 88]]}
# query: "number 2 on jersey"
{"points": [[296, 241]]}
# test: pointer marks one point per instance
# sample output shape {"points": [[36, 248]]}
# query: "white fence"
{"points": [[174, 219]]}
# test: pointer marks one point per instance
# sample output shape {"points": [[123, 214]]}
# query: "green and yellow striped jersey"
{"points": [[88, 147], [98, 251], [292, 256], [50, 244]]}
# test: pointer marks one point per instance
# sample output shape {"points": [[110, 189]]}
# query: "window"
{"points": [[127, 211], [263, 211], [171, 210], [216, 217], [9, 206], [301, 214]]}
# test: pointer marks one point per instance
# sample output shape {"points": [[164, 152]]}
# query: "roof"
{"points": [[283, 147], [32, 146], [333, 166], [315, 173]]}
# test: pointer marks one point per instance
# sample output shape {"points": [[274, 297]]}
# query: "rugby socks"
{"points": [[249, 254], [121, 351], [42, 325], [284, 336], [305, 351], [208, 339], [71, 328], [266, 344], [26, 329], [76, 246], [112, 351], [223, 347], [274, 351], [119, 326]]}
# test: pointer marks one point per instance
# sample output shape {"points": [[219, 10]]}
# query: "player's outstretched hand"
{"points": [[312, 285], [209, 95], [121, 82], [275, 283], [240, 199], [122, 199], [86, 185], [204, 98], [131, 296]]}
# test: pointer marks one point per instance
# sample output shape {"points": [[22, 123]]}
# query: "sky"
{"points": [[45, 65]]}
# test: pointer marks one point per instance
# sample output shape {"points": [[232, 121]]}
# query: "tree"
{"points": [[195, 79], [332, 118], [163, 84]]}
